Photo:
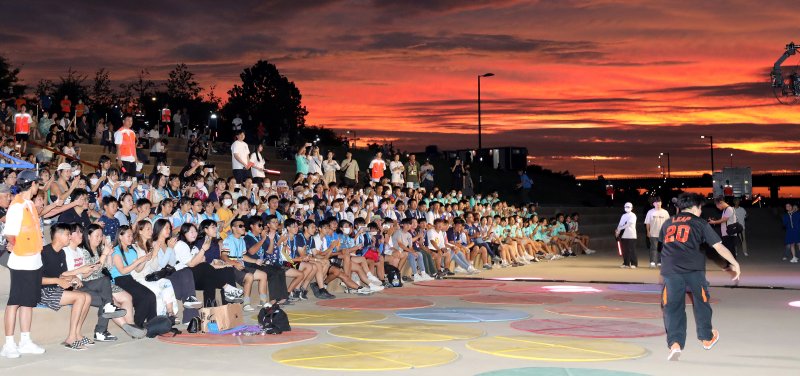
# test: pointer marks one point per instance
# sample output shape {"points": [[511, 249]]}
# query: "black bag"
{"points": [[393, 275], [160, 325], [735, 228], [273, 320], [194, 325], [163, 273]]}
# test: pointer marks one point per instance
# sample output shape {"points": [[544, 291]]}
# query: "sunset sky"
{"points": [[617, 81]]}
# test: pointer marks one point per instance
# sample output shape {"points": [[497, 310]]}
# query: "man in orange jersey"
{"points": [[683, 267], [22, 126], [125, 139], [24, 235]]}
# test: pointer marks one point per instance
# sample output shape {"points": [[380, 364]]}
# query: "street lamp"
{"points": [[711, 144], [480, 144], [731, 160], [669, 168], [354, 138]]}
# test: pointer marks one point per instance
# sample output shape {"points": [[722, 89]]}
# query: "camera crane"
{"points": [[786, 89]]}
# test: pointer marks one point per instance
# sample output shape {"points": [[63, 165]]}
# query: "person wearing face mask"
{"points": [[626, 233], [225, 214]]}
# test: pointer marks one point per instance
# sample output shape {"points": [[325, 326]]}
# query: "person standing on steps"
{"points": [[626, 233], [125, 139], [684, 268], [741, 217], [24, 235], [653, 221]]}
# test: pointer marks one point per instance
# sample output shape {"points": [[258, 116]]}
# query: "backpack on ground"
{"points": [[393, 275], [160, 325], [273, 320]]}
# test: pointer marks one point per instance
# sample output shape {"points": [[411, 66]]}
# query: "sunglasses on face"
{"points": [[239, 226]]}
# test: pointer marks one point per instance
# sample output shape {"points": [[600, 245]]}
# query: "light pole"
{"points": [[480, 144], [594, 168], [354, 137], [669, 168], [731, 160], [711, 144]]}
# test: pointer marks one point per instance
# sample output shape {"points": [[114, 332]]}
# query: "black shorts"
{"points": [[22, 137], [130, 168], [337, 262], [25, 288]]}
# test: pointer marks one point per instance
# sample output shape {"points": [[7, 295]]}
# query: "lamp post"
{"points": [[480, 144], [711, 145], [669, 169], [354, 137], [731, 160], [594, 168]]}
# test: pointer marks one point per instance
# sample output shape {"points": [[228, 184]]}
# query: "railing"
{"points": [[54, 151]]}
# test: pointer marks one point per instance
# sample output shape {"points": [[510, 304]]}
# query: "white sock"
{"points": [[24, 337], [10, 340]]}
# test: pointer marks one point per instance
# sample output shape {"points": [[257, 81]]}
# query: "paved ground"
{"points": [[758, 329]]}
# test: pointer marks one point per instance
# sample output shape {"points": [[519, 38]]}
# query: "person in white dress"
{"points": [[315, 161], [257, 170], [329, 168], [397, 169]]}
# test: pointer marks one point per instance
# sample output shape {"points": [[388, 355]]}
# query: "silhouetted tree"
{"points": [[9, 80], [101, 93], [270, 97], [72, 84], [181, 85]]}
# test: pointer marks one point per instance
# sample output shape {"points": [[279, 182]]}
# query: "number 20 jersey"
{"points": [[681, 236]]}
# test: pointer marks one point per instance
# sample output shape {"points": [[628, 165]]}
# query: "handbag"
{"points": [[163, 273], [734, 228]]}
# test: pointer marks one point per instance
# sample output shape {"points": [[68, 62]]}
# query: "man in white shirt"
{"points": [[626, 235], [653, 222], [728, 218], [240, 157], [741, 215]]}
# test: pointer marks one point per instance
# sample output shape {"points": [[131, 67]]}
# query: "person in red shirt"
{"points": [[125, 139], [20, 102], [80, 109], [22, 126], [66, 106], [166, 119]]}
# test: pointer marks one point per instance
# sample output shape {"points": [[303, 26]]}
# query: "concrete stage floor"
{"points": [[758, 328]]}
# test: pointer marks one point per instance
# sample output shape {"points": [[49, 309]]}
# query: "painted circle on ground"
{"points": [[375, 303], [556, 349], [588, 328], [525, 299], [636, 287], [228, 340], [459, 283], [553, 371], [428, 291], [460, 314], [644, 298], [407, 332], [526, 288], [364, 356], [331, 317], [606, 312]]}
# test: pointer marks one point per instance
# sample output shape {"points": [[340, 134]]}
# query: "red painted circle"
{"points": [[459, 283], [429, 291], [516, 299], [646, 298], [375, 303], [606, 312], [588, 328]]}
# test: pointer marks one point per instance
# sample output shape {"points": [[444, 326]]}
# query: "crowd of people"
{"points": [[140, 245]]}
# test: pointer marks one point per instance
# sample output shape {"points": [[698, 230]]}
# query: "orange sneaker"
{"points": [[674, 352], [708, 344]]}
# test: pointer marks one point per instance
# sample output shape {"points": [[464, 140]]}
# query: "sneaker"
{"points": [[10, 351], [104, 337], [111, 311], [375, 287], [373, 279], [303, 294], [28, 347], [362, 291], [674, 352], [472, 270], [488, 267], [315, 289], [233, 298], [192, 302], [292, 299], [248, 308], [784, 259], [793, 260], [427, 277], [659, 264], [405, 279], [134, 332], [624, 266], [652, 265], [633, 266], [589, 251], [326, 295], [708, 344], [417, 278], [448, 272], [459, 270]]}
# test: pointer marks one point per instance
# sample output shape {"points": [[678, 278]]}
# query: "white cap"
{"points": [[628, 205], [64, 166]]}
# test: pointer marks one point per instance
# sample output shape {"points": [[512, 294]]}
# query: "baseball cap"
{"points": [[281, 184], [64, 166], [628, 205], [26, 177]]}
